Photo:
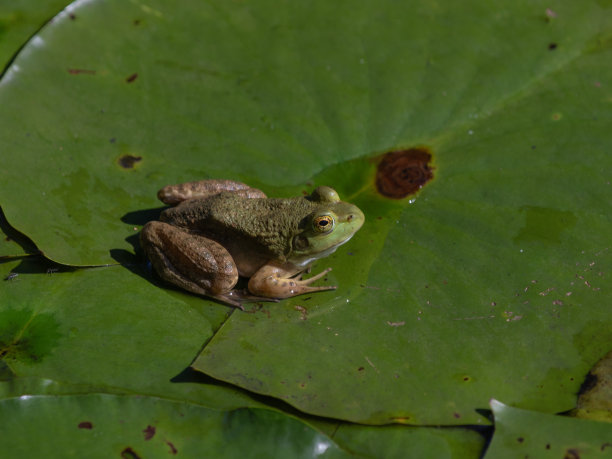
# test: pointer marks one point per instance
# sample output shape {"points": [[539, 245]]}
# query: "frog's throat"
{"points": [[304, 261]]}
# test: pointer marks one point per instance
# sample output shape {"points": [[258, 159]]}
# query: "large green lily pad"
{"points": [[276, 98], [491, 283]]}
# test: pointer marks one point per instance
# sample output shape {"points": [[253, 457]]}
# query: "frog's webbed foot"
{"points": [[274, 281], [174, 194]]}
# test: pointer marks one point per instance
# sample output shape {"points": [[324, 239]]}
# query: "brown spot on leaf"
{"points": [[402, 173], [129, 453], [149, 432], [520, 439], [552, 46], [72, 16], [85, 425], [172, 448], [128, 161], [81, 71], [131, 78]]}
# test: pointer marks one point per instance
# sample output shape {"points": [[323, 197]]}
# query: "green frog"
{"points": [[219, 230]]}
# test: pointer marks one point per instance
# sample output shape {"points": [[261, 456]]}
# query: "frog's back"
{"points": [[261, 225]]}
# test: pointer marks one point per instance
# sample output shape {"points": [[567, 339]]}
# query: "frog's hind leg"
{"points": [[174, 194], [281, 282], [190, 261]]}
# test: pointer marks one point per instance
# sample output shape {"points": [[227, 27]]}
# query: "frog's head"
{"points": [[331, 224]]}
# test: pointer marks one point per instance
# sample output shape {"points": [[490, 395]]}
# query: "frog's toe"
{"points": [[275, 286], [310, 280]]}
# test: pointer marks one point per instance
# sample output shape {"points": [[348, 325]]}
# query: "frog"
{"points": [[217, 231]]}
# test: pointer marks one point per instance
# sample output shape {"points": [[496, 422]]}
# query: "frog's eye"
{"points": [[323, 223]]}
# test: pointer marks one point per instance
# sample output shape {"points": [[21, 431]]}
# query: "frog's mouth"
{"points": [[304, 261]]}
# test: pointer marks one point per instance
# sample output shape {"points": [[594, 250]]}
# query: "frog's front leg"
{"points": [[278, 281], [174, 194], [189, 261]]}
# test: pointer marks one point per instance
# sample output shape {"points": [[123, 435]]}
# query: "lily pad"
{"points": [[102, 425], [104, 329], [302, 89], [20, 19], [524, 433]]}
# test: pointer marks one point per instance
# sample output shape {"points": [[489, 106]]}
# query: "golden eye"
{"points": [[323, 223]]}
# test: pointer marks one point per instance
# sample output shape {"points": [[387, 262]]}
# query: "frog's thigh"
{"points": [[192, 262], [276, 282], [173, 194]]}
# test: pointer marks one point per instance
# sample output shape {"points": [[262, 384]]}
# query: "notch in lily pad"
{"points": [[402, 173]]}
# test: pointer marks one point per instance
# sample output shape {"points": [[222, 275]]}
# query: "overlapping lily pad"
{"points": [[524, 433], [63, 329], [101, 425]]}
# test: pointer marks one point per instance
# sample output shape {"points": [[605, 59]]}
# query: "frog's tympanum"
{"points": [[221, 229]]}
